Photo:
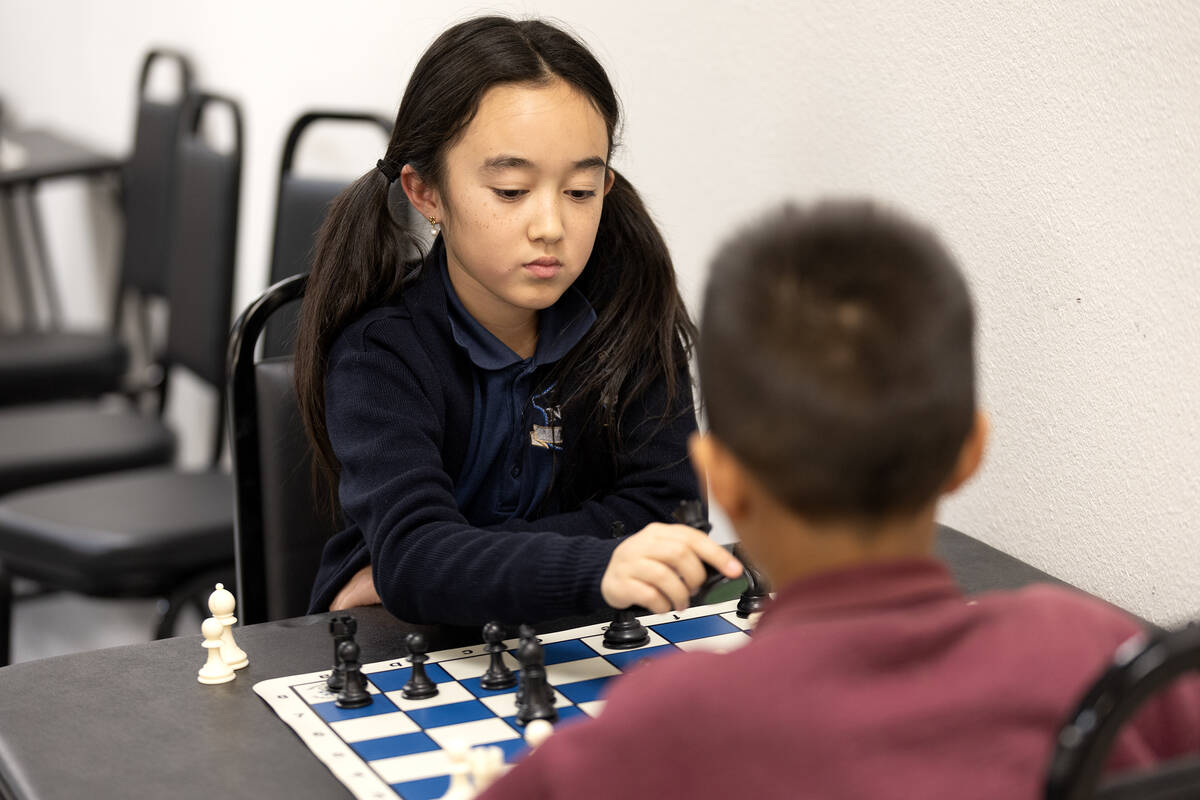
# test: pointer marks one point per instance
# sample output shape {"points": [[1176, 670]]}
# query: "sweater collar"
{"points": [[883, 586]]}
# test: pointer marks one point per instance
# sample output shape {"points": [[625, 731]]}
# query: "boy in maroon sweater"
{"points": [[836, 365]]}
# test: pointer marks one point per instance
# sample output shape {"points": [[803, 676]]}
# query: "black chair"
{"points": [[1142, 667], [300, 209], [157, 532], [280, 527], [43, 365]]}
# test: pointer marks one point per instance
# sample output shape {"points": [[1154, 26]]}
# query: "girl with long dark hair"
{"points": [[496, 414]]}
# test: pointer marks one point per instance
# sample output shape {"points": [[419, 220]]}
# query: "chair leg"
{"points": [[6, 611]]}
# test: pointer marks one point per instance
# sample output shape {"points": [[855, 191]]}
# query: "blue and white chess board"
{"points": [[392, 748]]}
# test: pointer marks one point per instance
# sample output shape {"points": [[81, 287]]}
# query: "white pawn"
{"points": [[460, 781], [215, 670], [221, 604], [487, 764], [536, 732]]}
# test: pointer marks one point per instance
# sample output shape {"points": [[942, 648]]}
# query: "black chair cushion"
{"points": [[134, 533], [36, 366], [43, 444]]}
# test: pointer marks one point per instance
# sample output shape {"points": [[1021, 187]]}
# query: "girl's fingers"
{"points": [[666, 580]]}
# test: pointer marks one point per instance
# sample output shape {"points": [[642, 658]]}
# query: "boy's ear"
{"points": [[970, 456], [422, 195], [726, 478]]}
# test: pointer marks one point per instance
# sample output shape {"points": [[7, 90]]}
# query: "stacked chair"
{"points": [[281, 527], [43, 365], [155, 531]]}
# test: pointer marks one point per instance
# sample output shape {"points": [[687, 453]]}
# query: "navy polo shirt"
{"points": [[516, 426]]}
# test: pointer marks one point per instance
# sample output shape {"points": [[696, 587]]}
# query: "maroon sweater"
{"points": [[881, 681]]}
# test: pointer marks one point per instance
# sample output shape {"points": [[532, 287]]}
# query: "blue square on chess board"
{"points": [[393, 748], [688, 629], [393, 680]]}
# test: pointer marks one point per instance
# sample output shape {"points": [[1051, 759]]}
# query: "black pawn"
{"points": [[757, 594], [342, 628], [498, 675], [536, 696], [419, 686], [625, 632], [354, 692]]}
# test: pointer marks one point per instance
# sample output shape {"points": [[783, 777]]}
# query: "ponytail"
{"points": [[359, 263]]}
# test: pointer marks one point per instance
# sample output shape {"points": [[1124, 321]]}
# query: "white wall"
{"points": [[1056, 146]]}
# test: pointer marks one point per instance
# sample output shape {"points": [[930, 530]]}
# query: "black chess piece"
{"points": [[626, 631], [757, 594], [691, 512], [342, 628], [536, 697], [498, 675], [354, 692], [419, 686]]}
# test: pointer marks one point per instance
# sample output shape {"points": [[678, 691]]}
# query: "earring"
{"points": [[433, 226]]}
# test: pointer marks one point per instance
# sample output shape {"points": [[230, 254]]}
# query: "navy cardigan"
{"points": [[399, 395]]}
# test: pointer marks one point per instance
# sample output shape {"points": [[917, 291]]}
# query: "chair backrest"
{"points": [[203, 249], [280, 528], [299, 211], [1142, 667], [147, 180]]}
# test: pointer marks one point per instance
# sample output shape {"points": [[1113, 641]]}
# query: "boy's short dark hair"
{"points": [[837, 360]]}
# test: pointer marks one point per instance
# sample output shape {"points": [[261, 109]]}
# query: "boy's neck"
{"points": [[789, 549]]}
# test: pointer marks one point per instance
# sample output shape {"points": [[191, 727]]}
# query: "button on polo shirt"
{"points": [[514, 443]]}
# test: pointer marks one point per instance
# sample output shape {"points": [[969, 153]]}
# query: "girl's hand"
{"points": [[661, 566], [358, 591]]}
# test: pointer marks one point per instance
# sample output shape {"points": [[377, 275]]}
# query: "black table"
{"points": [[132, 722], [45, 155]]}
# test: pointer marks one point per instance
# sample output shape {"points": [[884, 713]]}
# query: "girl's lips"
{"points": [[545, 267]]}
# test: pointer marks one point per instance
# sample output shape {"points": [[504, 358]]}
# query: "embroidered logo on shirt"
{"points": [[548, 434]]}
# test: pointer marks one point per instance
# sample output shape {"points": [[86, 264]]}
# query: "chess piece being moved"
{"points": [[222, 604], [757, 594], [536, 698], [419, 686], [215, 670], [354, 692], [342, 628], [625, 631], [498, 675]]}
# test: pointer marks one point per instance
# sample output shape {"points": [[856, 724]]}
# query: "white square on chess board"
{"points": [[505, 705], [724, 643], [375, 727], [447, 693], [318, 691], [463, 668]]}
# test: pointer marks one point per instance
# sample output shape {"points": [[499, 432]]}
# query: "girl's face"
{"points": [[521, 200]]}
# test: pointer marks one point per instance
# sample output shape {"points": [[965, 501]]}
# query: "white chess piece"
{"points": [[460, 781], [221, 604], [536, 732], [487, 765], [215, 670]]}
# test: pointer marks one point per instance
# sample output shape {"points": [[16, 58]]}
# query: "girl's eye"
{"points": [[508, 194], [581, 194]]}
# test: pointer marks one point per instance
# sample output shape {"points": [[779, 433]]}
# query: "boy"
{"points": [[836, 365]]}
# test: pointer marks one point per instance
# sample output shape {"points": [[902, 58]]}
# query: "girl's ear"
{"points": [[422, 195], [609, 178]]}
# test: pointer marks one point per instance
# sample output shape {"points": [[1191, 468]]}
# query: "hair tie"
{"points": [[389, 168]]}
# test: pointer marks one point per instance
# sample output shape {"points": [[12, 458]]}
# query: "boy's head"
{"points": [[836, 361]]}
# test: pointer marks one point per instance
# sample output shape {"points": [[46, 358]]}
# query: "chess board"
{"points": [[392, 748]]}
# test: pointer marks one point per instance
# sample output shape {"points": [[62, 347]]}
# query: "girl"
{"points": [[496, 413]]}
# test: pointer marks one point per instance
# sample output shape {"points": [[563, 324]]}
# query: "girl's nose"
{"points": [[546, 224]]}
